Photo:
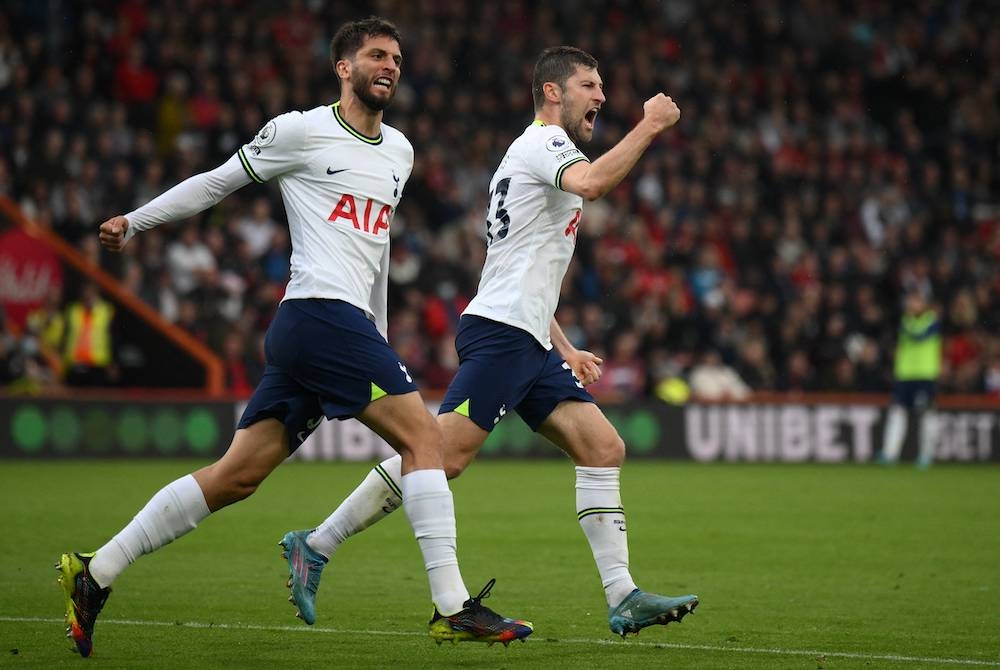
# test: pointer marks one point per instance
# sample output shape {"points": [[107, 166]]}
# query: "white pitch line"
{"points": [[632, 643]]}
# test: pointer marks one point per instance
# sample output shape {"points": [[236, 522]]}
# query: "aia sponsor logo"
{"points": [[350, 209], [572, 226]]}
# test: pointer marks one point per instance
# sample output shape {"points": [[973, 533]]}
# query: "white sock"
{"points": [[375, 498], [929, 429], [895, 433], [430, 508], [175, 509], [599, 509]]}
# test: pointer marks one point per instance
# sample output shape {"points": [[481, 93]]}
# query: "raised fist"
{"points": [[113, 233], [661, 111]]}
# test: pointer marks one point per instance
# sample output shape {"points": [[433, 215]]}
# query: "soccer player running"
{"points": [[341, 172], [506, 337]]}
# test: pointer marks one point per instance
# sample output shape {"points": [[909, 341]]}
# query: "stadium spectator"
{"points": [[711, 379], [240, 380], [916, 370], [257, 228], [624, 375], [190, 261], [87, 350], [47, 325]]}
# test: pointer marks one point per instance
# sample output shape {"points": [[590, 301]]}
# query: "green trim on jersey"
{"points": [[463, 409], [346, 126], [591, 511], [377, 392], [247, 167], [538, 122], [559, 174], [389, 481]]}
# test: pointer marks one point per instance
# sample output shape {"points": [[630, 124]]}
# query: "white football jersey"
{"points": [[340, 190], [531, 228]]}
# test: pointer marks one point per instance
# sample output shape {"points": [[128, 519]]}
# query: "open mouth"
{"points": [[384, 82], [590, 117]]}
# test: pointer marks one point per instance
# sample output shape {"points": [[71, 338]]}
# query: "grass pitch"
{"points": [[799, 567]]}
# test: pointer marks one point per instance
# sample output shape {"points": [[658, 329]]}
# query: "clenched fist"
{"points": [[661, 111], [586, 366], [113, 233]]}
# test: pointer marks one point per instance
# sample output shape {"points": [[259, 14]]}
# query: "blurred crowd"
{"points": [[830, 157]]}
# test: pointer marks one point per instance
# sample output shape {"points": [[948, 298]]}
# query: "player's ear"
{"points": [[552, 92], [342, 68]]}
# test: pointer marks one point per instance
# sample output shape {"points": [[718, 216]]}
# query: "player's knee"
{"points": [[244, 487], [426, 438], [616, 451], [608, 452], [223, 486], [233, 490], [455, 464]]}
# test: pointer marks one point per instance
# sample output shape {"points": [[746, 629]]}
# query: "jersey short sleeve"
{"points": [[275, 149], [549, 162]]}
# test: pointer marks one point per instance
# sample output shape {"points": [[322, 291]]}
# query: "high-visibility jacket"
{"points": [[918, 351], [88, 334]]}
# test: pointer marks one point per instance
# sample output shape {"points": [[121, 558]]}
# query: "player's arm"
{"points": [[592, 180], [585, 365], [272, 152], [187, 198]]}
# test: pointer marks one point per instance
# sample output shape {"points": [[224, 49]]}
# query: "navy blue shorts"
{"points": [[324, 358], [914, 394], [503, 368]]}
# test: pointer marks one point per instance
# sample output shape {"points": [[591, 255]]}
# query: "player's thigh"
{"points": [[253, 454], [498, 364], [462, 441], [406, 424], [340, 355], [280, 397], [581, 430]]}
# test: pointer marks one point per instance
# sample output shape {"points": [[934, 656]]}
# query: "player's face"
{"points": [[375, 72], [582, 98]]}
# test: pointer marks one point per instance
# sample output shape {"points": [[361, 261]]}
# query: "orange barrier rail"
{"points": [[214, 374]]}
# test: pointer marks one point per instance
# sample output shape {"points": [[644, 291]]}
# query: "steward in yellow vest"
{"points": [[917, 368], [87, 350]]}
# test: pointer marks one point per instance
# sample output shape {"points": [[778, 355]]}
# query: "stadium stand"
{"points": [[827, 160]]}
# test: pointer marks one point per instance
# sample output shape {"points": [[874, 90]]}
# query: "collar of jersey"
{"points": [[349, 128], [538, 122]]}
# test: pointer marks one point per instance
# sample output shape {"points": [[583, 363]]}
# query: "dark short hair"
{"points": [[351, 36], [557, 64]]}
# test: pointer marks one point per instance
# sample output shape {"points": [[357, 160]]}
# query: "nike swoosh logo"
{"points": [[329, 171]]}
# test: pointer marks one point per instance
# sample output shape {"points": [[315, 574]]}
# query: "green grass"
{"points": [[876, 568]]}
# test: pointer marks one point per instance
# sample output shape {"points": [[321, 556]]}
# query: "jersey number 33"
{"points": [[500, 221]]}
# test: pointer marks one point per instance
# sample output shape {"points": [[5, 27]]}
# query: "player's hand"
{"points": [[113, 233], [661, 111], [585, 365]]}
